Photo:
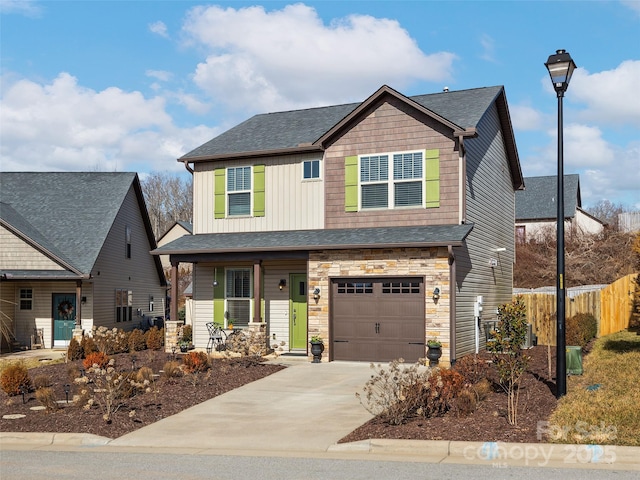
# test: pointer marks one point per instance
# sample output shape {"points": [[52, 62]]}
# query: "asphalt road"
{"points": [[82, 464]]}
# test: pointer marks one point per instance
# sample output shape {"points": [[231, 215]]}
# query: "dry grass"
{"points": [[602, 406], [27, 362]]}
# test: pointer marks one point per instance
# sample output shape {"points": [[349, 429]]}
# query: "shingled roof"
{"points": [[326, 239], [298, 128], [66, 215], [538, 200]]}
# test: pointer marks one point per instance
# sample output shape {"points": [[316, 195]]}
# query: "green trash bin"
{"points": [[574, 360]]}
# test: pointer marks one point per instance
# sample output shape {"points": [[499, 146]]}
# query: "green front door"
{"points": [[298, 311], [64, 317]]}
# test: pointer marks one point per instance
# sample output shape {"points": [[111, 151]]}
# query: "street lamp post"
{"points": [[561, 67]]}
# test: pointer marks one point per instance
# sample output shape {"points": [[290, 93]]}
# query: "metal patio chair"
{"points": [[217, 337]]}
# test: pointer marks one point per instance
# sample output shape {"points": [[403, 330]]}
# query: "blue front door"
{"points": [[64, 318]]}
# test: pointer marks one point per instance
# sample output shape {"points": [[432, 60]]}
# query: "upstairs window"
{"points": [[311, 169], [392, 180], [239, 191], [404, 188]]}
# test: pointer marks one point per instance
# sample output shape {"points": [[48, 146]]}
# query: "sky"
{"points": [[133, 85]]}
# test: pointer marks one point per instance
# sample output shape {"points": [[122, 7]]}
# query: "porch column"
{"points": [[78, 303], [173, 306], [256, 291]]}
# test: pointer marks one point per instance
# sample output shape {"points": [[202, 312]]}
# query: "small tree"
{"points": [[506, 346]]}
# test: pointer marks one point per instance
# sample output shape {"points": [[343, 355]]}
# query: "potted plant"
{"points": [[184, 346], [317, 347], [434, 352]]}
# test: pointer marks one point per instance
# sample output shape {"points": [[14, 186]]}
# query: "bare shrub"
{"points": [[74, 351], [195, 362], [47, 398], [144, 373], [41, 381], [14, 378], [387, 393], [110, 341], [171, 369], [155, 338]]}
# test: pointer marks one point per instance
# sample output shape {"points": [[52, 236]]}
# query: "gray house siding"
{"points": [[138, 274], [490, 202]]}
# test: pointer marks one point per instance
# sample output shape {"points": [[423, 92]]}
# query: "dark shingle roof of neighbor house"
{"points": [[538, 200], [65, 214], [329, 239], [290, 129]]}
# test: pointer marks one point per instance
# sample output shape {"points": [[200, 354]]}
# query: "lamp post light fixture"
{"points": [[561, 66]]}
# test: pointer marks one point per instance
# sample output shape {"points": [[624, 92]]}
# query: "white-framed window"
{"points": [[238, 294], [26, 299], [392, 180], [310, 169], [239, 191], [124, 305]]}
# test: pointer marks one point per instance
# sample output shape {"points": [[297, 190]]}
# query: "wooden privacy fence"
{"points": [[612, 307]]}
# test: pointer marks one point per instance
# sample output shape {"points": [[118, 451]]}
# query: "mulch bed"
{"points": [[489, 422], [172, 396]]}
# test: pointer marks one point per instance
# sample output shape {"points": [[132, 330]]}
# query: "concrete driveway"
{"points": [[306, 407]]}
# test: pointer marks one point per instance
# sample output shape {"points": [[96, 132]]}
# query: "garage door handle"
{"points": [[377, 328], [341, 341]]}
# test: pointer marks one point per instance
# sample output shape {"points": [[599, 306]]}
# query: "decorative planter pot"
{"points": [[184, 348], [316, 350], [434, 354]]}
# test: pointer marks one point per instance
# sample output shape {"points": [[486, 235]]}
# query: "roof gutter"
{"points": [[187, 166], [304, 148]]}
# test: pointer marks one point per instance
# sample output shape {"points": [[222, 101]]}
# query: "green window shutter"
{"points": [[258, 190], [219, 195], [432, 178], [351, 184], [218, 298]]}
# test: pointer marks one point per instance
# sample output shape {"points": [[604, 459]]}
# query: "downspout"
{"points": [[186, 165], [462, 187], [452, 306]]}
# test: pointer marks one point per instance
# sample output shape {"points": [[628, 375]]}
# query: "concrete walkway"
{"points": [[306, 407]]}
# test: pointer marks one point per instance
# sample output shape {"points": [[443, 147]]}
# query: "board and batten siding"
{"points": [[392, 126], [16, 254], [291, 203], [490, 207], [113, 270]]}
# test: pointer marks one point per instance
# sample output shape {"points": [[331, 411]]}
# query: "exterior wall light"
{"points": [[282, 284], [436, 294]]}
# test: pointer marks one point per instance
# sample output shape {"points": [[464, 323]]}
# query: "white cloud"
{"points": [[632, 4], [488, 48], [611, 95], [289, 58], [525, 117], [584, 147], [159, 28], [28, 8], [161, 75], [64, 126]]}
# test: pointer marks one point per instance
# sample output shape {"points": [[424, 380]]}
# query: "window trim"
{"points": [[311, 162], [27, 299], [124, 305], [229, 192], [391, 181], [228, 298]]}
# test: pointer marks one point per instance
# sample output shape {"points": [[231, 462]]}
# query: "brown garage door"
{"points": [[378, 320]]}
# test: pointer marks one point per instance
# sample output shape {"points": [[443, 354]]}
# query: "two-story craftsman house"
{"points": [[375, 225]]}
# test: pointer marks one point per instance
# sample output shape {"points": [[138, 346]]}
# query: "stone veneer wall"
{"points": [[429, 263]]}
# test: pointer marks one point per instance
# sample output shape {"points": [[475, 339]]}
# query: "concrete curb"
{"points": [[46, 439], [501, 453]]}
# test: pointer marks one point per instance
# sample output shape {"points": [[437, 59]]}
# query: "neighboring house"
{"points": [[75, 250], [537, 209], [375, 225], [177, 230], [629, 221]]}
